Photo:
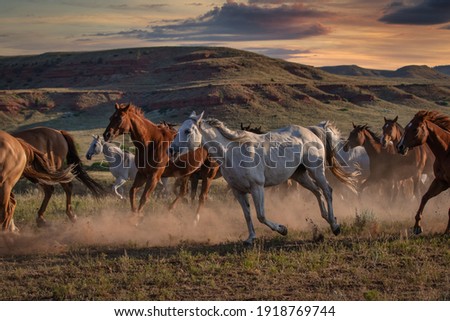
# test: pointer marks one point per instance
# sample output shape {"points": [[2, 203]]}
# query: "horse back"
{"points": [[48, 141]]}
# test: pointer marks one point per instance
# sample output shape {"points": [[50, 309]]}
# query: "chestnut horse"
{"points": [[419, 159], [432, 128], [58, 146], [19, 158], [386, 166], [152, 143]]}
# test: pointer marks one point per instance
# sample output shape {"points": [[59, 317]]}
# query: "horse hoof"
{"points": [[337, 230], [417, 230], [73, 219], [282, 230], [41, 222], [248, 243]]}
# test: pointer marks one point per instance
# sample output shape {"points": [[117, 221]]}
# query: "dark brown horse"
{"points": [[59, 147], [152, 143], [256, 130], [386, 166], [421, 158], [19, 158], [432, 128]]}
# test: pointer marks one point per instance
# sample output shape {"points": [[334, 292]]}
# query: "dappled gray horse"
{"points": [[249, 162], [121, 163]]}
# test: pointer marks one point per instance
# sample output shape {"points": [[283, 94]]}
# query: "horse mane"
{"points": [[372, 134], [329, 125], [435, 117], [235, 136]]}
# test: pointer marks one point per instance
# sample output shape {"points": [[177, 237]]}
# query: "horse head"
{"points": [[188, 138], [119, 122], [391, 132], [95, 147], [356, 137], [416, 133]]}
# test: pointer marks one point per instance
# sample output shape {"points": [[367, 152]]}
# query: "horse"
{"points": [[386, 166], [18, 158], [249, 162], [421, 159], [353, 161], [121, 163], [152, 161], [432, 128], [256, 130], [59, 147]]}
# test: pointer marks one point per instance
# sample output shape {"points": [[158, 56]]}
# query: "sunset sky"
{"points": [[383, 34]]}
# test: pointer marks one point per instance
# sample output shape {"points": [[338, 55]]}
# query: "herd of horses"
{"points": [[248, 159]]}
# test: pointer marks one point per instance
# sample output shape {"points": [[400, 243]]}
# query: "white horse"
{"points": [[249, 162], [121, 163]]}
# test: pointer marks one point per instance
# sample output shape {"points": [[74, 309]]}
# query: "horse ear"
{"points": [[395, 119], [385, 119], [193, 115], [354, 126], [117, 106], [94, 136], [199, 117], [126, 107]]}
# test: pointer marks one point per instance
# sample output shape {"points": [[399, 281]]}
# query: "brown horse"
{"points": [[386, 166], [421, 159], [432, 128], [58, 146], [152, 143], [19, 158]]}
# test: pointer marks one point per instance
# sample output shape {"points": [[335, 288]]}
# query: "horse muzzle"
{"points": [[88, 156], [402, 149]]}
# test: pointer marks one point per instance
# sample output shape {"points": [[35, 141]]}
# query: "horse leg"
{"points": [[258, 199], [435, 188], [318, 174], [139, 180], [150, 185], [117, 184], [194, 185], [243, 201], [6, 208], [207, 178], [68, 187], [48, 192], [302, 177], [181, 182]]}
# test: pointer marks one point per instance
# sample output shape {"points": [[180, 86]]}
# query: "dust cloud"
{"points": [[221, 221]]}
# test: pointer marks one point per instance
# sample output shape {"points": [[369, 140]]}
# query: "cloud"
{"points": [[427, 12], [239, 22]]}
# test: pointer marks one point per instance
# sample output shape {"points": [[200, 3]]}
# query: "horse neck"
{"points": [[142, 130], [214, 142], [107, 149], [372, 146], [438, 140]]}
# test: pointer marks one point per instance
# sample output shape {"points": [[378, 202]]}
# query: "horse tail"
{"points": [[349, 179], [78, 170], [39, 170]]}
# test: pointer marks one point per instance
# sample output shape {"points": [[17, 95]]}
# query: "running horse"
{"points": [[432, 128], [386, 166], [249, 162], [19, 158], [59, 147], [419, 161], [152, 160]]}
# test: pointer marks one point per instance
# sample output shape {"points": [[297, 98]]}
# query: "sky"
{"points": [[380, 34]]}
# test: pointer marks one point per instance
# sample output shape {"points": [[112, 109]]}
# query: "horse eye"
{"points": [[187, 131]]}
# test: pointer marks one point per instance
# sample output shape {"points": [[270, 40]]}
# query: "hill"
{"points": [[77, 90], [412, 71]]}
